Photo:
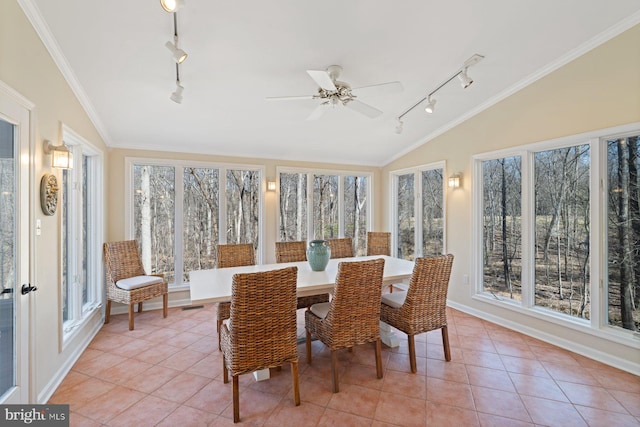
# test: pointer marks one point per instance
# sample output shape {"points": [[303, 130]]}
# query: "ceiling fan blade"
{"points": [[287, 98], [363, 108], [322, 79], [379, 89], [317, 113]]}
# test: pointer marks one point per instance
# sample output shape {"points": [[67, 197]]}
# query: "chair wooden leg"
{"points": [[334, 371], [219, 334], [378, 358], [445, 343], [308, 347], [165, 305], [139, 307], [225, 372], [412, 353], [107, 314], [236, 400], [131, 317], [296, 387]]}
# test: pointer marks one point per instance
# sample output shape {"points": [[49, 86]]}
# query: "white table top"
{"points": [[215, 285]]}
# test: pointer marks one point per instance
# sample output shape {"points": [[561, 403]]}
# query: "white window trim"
{"points": [[417, 207], [82, 314], [341, 173], [597, 325], [179, 166]]}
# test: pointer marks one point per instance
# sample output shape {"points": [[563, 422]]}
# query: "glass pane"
{"points": [[501, 225], [243, 201], [406, 216], [355, 212], [200, 219], [293, 207], [8, 286], [623, 237], [154, 217], [85, 235], [325, 206], [66, 241], [432, 219], [562, 230]]}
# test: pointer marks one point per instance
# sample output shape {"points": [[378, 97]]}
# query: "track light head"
{"points": [[399, 126], [177, 95], [465, 80], [171, 5], [431, 104], [179, 55]]}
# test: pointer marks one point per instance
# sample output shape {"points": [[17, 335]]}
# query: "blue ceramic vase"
{"points": [[318, 254]]}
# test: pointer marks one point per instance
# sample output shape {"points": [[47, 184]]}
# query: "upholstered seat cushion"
{"points": [[395, 299], [321, 309], [138, 282]]}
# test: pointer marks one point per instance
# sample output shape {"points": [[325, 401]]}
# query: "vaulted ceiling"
{"points": [[114, 56]]}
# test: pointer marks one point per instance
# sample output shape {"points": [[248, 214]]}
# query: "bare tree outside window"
{"points": [[154, 217], [501, 225], [293, 207], [432, 217], [355, 212], [623, 237], [200, 219], [406, 216], [562, 230], [325, 202], [243, 203]]}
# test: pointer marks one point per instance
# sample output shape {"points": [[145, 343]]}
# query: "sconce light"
{"points": [[271, 186], [455, 180], [61, 157]]}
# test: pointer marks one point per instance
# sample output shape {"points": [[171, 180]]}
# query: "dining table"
{"points": [[214, 285]]}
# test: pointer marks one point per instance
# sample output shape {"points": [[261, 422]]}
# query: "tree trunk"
{"points": [[634, 212], [624, 231], [505, 252]]}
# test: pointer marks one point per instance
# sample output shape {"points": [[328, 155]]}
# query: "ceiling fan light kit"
{"points": [[465, 82]]}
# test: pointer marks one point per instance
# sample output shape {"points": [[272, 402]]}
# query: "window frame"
{"points": [[179, 166], [79, 312], [417, 205], [598, 323]]}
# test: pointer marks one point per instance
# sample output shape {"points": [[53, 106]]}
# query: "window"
{"points": [[539, 235], [340, 206], [180, 211], [81, 215], [418, 217]]}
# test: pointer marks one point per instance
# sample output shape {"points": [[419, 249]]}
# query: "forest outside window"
{"points": [[538, 225], [180, 212], [340, 205]]}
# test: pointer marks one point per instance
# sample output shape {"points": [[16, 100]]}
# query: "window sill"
{"points": [[71, 329]]}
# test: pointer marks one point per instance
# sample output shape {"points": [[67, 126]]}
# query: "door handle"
{"points": [[28, 288]]}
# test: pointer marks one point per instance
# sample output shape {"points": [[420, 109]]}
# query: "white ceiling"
{"points": [[240, 52]]}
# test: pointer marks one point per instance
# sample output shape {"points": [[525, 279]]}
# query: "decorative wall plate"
{"points": [[49, 193]]}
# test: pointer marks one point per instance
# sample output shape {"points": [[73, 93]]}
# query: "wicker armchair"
{"points": [[127, 282], [422, 308], [294, 252], [261, 331], [341, 248], [232, 256], [378, 243], [353, 315]]}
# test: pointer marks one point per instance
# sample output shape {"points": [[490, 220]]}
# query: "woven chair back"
{"points": [[122, 260], [378, 243], [341, 248], [237, 255], [291, 251]]}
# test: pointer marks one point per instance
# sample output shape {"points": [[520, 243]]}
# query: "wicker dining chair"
{"points": [[341, 248], [353, 315], [422, 308], [232, 255], [295, 252], [378, 243], [127, 282], [261, 330]]}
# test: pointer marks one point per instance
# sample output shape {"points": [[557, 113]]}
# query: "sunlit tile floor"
{"points": [[168, 372]]}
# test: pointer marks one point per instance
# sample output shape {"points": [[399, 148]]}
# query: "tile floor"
{"points": [[168, 372]]}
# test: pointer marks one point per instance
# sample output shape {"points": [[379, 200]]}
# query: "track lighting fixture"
{"points": [[171, 5], [178, 54], [176, 96], [461, 74]]}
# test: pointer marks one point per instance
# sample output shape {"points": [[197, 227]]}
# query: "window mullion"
{"points": [[341, 201], [222, 206], [417, 209], [598, 242], [527, 226], [179, 223]]}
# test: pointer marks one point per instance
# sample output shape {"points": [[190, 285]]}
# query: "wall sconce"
{"points": [[455, 180], [61, 157], [271, 186]]}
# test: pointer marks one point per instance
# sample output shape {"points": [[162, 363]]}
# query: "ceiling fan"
{"points": [[332, 92]]}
